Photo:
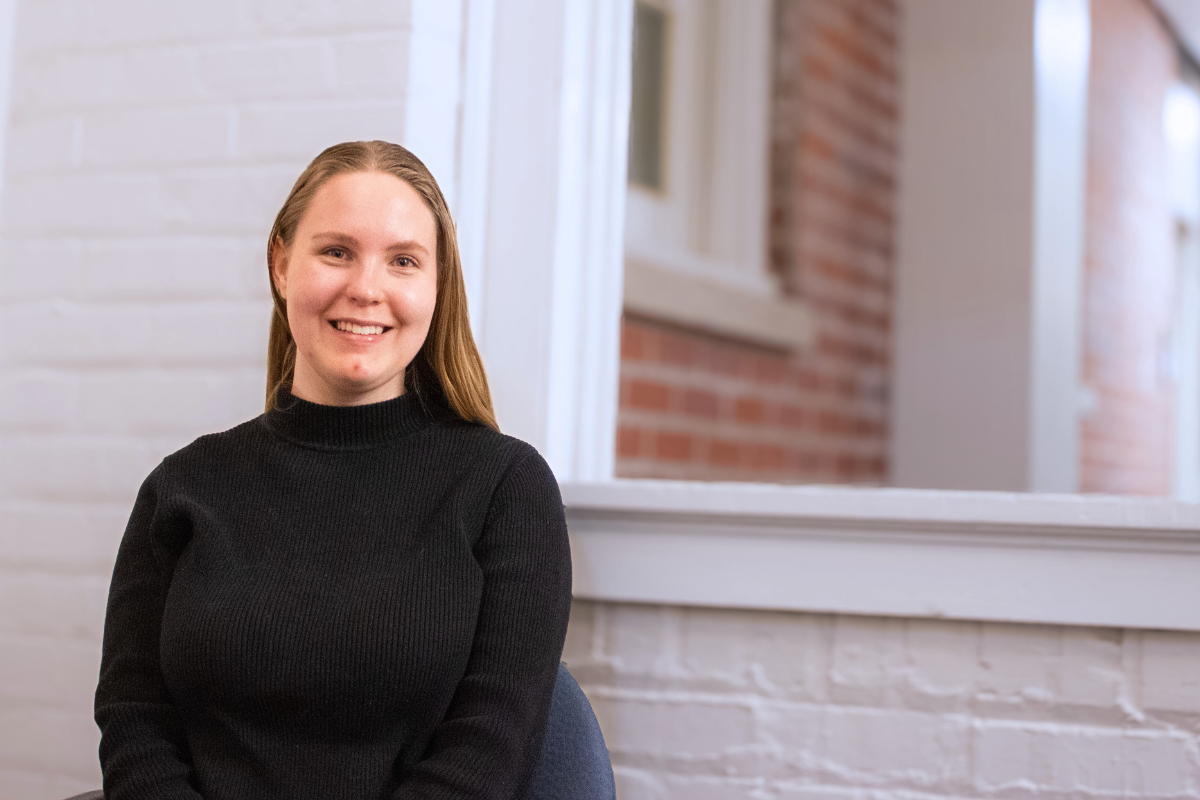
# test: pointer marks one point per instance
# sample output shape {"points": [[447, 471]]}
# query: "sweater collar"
{"points": [[344, 427]]}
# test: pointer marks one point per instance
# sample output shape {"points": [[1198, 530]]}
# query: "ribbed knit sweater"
{"points": [[343, 603]]}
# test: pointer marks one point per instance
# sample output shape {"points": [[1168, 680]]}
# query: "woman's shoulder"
{"points": [[492, 461], [484, 444], [210, 449], [213, 457]]}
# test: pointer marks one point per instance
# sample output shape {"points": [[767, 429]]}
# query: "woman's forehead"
{"points": [[370, 207]]}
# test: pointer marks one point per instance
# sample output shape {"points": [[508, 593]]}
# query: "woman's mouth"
{"points": [[358, 329]]}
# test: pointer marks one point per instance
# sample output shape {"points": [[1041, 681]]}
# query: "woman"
{"points": [[362, 593]]}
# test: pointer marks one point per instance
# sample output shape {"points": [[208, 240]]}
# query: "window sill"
{"points": [[670, 294], [1051, 559]]}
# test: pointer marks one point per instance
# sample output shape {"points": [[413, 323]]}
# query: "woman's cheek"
{"points": [[317, 292], [418, 301]]}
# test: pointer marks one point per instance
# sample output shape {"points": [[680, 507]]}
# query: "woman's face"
{"points": [[360, 281]]}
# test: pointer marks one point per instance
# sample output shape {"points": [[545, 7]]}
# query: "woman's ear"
{"points": [[279, 258]]}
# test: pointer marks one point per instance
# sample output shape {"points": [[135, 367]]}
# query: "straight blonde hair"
{"points": [[447, 372]]}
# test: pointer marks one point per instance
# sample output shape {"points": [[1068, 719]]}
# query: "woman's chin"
{"points": [[374, 390], [353, 387]]}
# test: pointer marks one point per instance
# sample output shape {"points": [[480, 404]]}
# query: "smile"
{"points": [[356, 328]]}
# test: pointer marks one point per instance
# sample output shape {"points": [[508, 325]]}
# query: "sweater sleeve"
{"points": [[490, 739], [143, 752]]}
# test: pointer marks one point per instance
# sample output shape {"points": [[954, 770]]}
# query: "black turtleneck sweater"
{"points": [[355, 603]]}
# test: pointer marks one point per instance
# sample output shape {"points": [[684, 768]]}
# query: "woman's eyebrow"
{"points": [[409, 245], [406, 244], [334, 236]]}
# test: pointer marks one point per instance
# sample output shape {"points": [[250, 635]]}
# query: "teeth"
{"points": [[362, 330]]}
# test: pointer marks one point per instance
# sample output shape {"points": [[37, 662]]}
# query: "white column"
{"points": [[520, 109], [447, 116], [474, 148], [1062, 43], [434, 92], [549, 316], [990, 245]]}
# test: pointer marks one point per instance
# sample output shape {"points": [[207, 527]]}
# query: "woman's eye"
{"points": [[405, 261], [336, 252]]}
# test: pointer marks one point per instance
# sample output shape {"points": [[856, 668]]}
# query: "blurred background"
{"points": [[921, 244], [942, 244]]}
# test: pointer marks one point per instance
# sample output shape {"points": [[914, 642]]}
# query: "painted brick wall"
{"points": [[1125, 445], [150, 146], [694, 405], [705, 704], [151, 143]]}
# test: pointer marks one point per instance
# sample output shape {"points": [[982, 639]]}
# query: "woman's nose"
{"points": [[364, 287]]}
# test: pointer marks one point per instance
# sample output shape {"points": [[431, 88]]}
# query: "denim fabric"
{"points": [[574, 763]]}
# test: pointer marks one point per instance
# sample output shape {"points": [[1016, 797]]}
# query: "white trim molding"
{"points": [[673, 296], [1062, 47], [1074, 560], [479, 22]]}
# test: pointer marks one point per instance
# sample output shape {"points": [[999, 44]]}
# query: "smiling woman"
{"points": [[365, 241], [361, 277], [363, 593]]}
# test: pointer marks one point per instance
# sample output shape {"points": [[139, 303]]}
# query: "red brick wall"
{"points": [[696, 405], [1125, 445]]}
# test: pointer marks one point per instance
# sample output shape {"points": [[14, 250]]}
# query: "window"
{"points": [[647, 100], [696, 211]]}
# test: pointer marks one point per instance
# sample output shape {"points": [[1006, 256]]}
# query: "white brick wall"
{"points": [[706, 704], [149, 146]]}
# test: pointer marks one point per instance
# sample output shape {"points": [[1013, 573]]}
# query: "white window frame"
{"points": [[1183, 153], [708, 220], [696, 248], [547, 267]]}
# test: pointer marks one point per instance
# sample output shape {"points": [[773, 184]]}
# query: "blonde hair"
{"points": [[447, 371]]}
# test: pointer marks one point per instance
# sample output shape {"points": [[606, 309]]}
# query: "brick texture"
{"points": [[699, 407], [694, 405], [717, 704], [149, 147], [1126, 445]]}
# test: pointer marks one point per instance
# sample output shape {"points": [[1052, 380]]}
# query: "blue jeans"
{"points": [[574, 763]]}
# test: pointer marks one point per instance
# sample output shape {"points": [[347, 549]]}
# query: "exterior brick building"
{"points": [[697, 405]]}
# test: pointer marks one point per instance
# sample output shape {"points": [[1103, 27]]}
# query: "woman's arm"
{"points": [[143, 751], [490, 739]]}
